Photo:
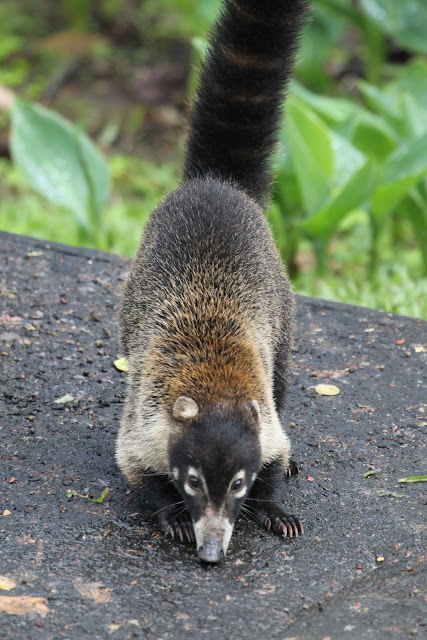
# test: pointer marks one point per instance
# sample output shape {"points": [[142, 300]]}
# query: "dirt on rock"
{"points": [[75, 569]]}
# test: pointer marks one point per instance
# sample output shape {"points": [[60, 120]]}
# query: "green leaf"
{"points": [[413, 79], [414, 208], [373, 136], [414, 116], [67, 398], [414, 479], [365, 130], [102, 497], [403, 170], [310, 144], [348, 160], [391, 494], [332, 110], [60, 162], [371, 472], [72, 493], [353, 195], [404, 19], [383, 101]]}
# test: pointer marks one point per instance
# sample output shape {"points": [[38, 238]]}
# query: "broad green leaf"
{"points": [[404, 19], [383, 101], [403, 170], [413, 79], [59, 162], [332, 110], [316, 45], [414, 116], [353, 195], [310, 144], [348, 160], [366, 131], [373, 136]]}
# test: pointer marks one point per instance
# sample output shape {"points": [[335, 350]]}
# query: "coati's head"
{"points": [[214, 459]]}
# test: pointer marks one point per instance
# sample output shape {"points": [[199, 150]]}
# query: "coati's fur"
{"points": [[206, 316]]}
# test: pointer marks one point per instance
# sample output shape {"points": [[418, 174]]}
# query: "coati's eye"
{"points": [[237, 485], [193, 482]]}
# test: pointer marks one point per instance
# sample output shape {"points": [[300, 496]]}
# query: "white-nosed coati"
{"points": [[206, 316]]}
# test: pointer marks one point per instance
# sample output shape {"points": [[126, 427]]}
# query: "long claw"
{"points": [[179, 532], [267, 523], [170, 532], [188, 532], [290, 531]]}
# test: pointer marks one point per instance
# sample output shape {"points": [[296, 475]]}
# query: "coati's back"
{"points": [[207, 310]]}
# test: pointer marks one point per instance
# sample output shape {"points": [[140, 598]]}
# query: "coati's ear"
{"points": [[254, 412], [185, 409]]}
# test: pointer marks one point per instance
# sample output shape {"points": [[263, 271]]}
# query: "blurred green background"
{"points": [[349, 209]]}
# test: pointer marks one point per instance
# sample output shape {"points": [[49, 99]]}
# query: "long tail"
{"points": [[234, 123]]}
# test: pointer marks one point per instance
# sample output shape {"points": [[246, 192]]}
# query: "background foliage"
{"points": [[349, 209]]}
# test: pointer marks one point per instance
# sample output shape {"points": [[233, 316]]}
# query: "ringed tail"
{"points": [[237, 112]]}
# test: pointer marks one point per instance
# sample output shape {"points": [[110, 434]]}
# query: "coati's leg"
{"points": [[281, 368], [168, 507], [264, 502]]}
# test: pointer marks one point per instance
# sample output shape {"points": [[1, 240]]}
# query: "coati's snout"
{"points": [[214, 463]]}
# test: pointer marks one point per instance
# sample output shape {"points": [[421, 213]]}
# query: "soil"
{"points": [[103, 570]]}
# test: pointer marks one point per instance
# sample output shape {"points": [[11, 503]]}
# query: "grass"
{"points": [[138, 184]]}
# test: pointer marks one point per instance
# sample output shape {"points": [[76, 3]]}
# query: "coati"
{"points": [[206, 315]]}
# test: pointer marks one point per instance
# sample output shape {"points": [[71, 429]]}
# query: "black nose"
{"points": [[211, 551]]}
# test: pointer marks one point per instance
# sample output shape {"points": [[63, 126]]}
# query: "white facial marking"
{"points": [[240, 475], [253, 477], [185, 408], [175, 473], [215, 525], [187, 487], [191, 491]]}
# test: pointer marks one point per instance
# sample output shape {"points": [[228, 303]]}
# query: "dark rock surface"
{"points": [[103, 571]]}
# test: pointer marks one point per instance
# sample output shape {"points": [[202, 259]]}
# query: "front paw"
{"points": [[285, 524], [181, 527], [292, 469]]}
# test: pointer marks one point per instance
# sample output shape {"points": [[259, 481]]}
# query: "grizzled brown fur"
{"points": [[206, 315]]}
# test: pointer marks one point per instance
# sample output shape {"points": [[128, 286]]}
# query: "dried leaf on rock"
{"points": [[327, 390], [24, 605], [6, 584], [121, 364], [95, 591]]}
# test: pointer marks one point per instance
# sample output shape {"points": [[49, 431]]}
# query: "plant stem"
{"points": [[373, 258], [374, 50], [321, 249]]}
